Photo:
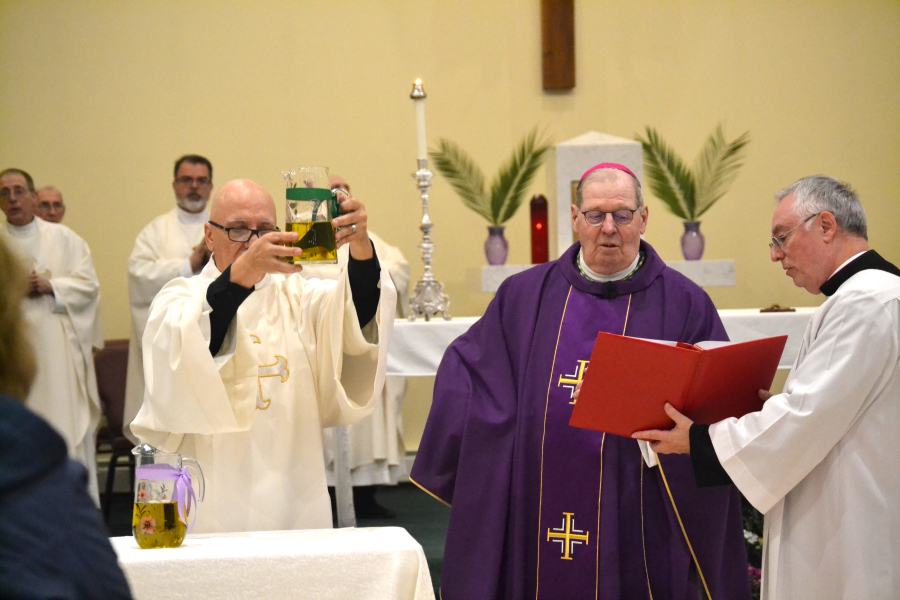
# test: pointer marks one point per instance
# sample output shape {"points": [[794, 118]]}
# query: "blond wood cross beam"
{"points": [[558, 44]]}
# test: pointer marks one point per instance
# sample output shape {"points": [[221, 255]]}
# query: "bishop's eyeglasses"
{"points": [[780, 241], [596, 218], [242, 235]]}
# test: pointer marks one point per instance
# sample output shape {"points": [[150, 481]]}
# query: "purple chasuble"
{"points": [[544, 510]]}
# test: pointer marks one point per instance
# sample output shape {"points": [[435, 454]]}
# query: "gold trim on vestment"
{"points": [[627, 312], [537, 583], [683, 530], [543, 439], [435, 496], [643, 541], [599, 497]]}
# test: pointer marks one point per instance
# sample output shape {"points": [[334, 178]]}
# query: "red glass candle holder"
{"points": [[540, 248]]}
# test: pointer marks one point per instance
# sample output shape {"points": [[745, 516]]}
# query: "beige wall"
{"points": [[98, 98]]}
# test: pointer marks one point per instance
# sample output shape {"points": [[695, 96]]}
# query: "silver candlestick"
{"points": [[429, 298]]}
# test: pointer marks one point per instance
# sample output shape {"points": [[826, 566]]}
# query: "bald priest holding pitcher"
{"points": [[246, 362]]}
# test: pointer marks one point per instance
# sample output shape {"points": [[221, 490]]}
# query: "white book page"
{"points": [[709, 345], [663, 342]]}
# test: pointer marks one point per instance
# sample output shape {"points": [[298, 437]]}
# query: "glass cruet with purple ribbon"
{"points": [[165, 504]]}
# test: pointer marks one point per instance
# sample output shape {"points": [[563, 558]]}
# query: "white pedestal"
{"points": [[569, 161], [493, 275], [706, 273]]}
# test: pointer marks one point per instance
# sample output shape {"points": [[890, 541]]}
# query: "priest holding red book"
{"points": [[819, 459], [540, 509]]}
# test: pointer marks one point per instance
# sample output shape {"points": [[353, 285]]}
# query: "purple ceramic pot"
{"points": [[692, 241], [496, 247]]}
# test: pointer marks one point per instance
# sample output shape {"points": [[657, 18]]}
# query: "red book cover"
{"points": [[629, 381]]}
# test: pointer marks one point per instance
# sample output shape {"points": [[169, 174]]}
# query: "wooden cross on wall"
{"points": [[558, 44]]}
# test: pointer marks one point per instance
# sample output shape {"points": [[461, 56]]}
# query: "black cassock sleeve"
{"points": [[708, 470], [364, 276], [224, 298]]}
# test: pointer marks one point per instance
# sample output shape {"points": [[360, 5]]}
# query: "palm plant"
{"points": [[688, 193], [508, 188]]}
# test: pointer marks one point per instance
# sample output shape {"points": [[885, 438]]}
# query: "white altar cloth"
{"points": [[417, 347], [371, 563]]}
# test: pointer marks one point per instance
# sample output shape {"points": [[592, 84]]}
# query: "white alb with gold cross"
{"points": [[294, 361]]}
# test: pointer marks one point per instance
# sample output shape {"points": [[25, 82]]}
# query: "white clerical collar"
{"points": [[190, 218], [25, 230], [604, 278], [847, 262]]}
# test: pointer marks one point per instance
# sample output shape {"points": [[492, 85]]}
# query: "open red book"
{"points": [[629, 380]]}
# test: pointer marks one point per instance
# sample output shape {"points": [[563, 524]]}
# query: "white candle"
{"points": [[421, 146]]}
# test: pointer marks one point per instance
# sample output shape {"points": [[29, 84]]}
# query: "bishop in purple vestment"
{"points": [[540, 509]]}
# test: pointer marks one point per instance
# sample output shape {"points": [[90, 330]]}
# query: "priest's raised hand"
{"points": [[262, 255], [351, 228]]}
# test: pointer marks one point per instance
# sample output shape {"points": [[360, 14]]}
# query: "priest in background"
{"points": [[50, 205], [819, 459], [540, 509], [170, 246], [63, 307], [377, 452], [247, 362]]}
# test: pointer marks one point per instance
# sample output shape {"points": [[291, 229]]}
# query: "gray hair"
{"points": [[818, 193], [50, 188], [605, 175]]}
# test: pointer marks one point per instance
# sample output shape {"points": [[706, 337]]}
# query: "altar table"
{"points": [[417, 346], [372, 563]]}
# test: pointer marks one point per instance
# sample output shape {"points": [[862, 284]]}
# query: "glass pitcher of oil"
{"points": [[165, 504], [311, 206]]}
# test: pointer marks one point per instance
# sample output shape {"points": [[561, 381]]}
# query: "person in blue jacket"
{"points": [[53, 541]]}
